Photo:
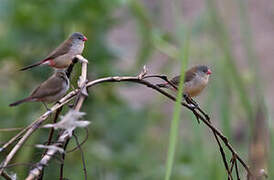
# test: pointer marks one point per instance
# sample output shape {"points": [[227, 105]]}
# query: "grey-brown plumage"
{"points": [[63, 55], [51, 90], [196, 79]]}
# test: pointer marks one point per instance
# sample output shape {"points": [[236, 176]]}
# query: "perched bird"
{"points": [[196, 79], [63, 55], [51, 90]]}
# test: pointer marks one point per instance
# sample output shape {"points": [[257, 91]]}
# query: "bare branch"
{"points": [[81, 94], [223, 157]]}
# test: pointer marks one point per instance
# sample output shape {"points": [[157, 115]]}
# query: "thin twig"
{"points": [[223, 157], [237, 171], [82, 156], [232, 161], [81, 144], [63, 159], [163, 77], [198, 108]]}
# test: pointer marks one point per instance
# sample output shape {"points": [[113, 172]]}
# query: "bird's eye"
{"points": [[79, 38]]}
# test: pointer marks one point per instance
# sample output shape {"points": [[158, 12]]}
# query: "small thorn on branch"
{"points": [[117, 78], [143, 73]]}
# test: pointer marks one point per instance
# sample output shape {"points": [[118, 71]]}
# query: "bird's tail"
{"points": [[164, 85], [32, 65], [21, 101]]}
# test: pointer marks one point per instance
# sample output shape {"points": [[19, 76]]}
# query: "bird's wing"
{"points": [[60, 50], [189, 75], [50, 87]]}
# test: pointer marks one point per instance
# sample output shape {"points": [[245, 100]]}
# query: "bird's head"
{"points": [[78, 37], [203, 70]]}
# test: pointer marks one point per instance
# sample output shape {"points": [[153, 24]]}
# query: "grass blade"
{"points": [[176, 113]]}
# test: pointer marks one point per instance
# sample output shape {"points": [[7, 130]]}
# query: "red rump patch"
{"points": [[51, 63]]}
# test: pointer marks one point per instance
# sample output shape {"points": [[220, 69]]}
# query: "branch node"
{"points": [[81, 59], [117, 78], [143, 73], [84, 91]]}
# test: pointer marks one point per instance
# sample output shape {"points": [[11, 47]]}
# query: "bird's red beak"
{"points": [[85, 38], [208, 72]]}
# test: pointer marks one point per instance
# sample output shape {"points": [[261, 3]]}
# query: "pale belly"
{"points": [[194, 88], [63, 61]]}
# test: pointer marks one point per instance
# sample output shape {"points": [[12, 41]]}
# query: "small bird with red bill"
{"points": [[64, 54], [51, 90], [195, 80]]}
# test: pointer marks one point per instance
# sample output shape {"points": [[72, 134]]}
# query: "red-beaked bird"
{"points": [[51, 90], [63, 55], [196, 79]]}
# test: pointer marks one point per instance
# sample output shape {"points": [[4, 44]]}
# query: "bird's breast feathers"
{"points": [[77, 48], [195, 87]]}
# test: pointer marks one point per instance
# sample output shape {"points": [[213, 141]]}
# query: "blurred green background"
{"points": [[129, 133]]}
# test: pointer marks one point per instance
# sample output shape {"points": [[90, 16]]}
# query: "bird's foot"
{"points": [[190, 101], [195, 105], [192, 106]]}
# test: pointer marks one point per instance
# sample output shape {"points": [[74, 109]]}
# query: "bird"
{"points": [[195, 80], [51, 90], [63, 55]]}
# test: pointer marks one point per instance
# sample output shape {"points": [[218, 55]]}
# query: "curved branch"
{"points": [[135, 79]]}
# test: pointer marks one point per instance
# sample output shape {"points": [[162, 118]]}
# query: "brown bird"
{"points": [[196, 79], [63, 55], [51, 90]]}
